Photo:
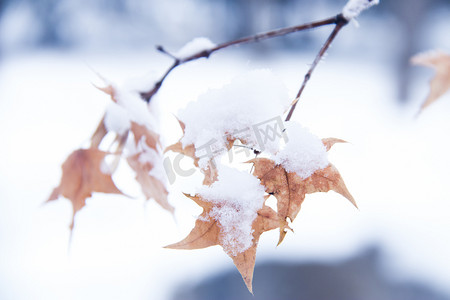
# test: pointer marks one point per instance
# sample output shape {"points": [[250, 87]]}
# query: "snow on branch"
{"points": [[195, 46], [354, 7], [205, 48]]}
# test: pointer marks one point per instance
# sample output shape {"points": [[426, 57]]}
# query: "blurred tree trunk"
{"points": [[252, 16], [411, 14], [2, 8], [49, 19]]}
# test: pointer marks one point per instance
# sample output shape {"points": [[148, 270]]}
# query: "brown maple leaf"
{"points": [[290, 189], [99, 134], [440, 84], [81, 176], [208, 232], [189, 150], [211, 174], [109, 89], [330, 142], [151, 186], [141, 131]]}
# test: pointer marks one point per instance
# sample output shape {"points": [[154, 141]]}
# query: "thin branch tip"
{"points": [[164, 51], [341, 21], [146, 96]]}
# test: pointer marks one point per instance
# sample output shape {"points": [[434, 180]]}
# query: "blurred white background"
{"points": [[396, 164]]}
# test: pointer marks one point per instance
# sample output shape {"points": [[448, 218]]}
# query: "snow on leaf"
{"points": [[131, 114], [81, 176], [195, 46], [221, 116], [142, 132], [440, 84], [211, 174], [234, 216], [144, 161], [116, 119], [188, 150], [209, 232], [304, 153], [209, 170]]}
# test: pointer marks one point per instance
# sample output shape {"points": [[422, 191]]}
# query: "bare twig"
{"points": [[341, 22], [147, 96]]}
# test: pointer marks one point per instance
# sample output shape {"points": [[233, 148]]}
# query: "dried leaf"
{"points": [[141, 131], [189, 150], [109, 90], [82, 175], [152, 187], [440, 84], [330, 142], [99, 134], [290, 189], [207, 232], [211, 174]]}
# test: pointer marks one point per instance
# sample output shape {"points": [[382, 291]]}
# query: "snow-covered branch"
{"points": [[203, 48], [354, 7]]}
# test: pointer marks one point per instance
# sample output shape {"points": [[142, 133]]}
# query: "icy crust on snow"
{"points": [[354, 7], [237, 196], [195, 46], [304, 153], [234, 111]]}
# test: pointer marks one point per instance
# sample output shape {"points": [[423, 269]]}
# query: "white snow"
{"points": [[233, 112], [137, 108], [141, 83], [354, 7], [105, 168], [195, 46], [304, 153], [117, 119], [155, 158], [238, 196]]}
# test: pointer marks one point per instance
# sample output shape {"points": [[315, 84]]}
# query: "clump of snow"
{"points": [[130, 107], [134, 108], [238, 196], [150, 156], [195, 46], [117, 119], [105, 168], [242, 110], [137, 109], [142, 83], [354, 7], [304, 153]]}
